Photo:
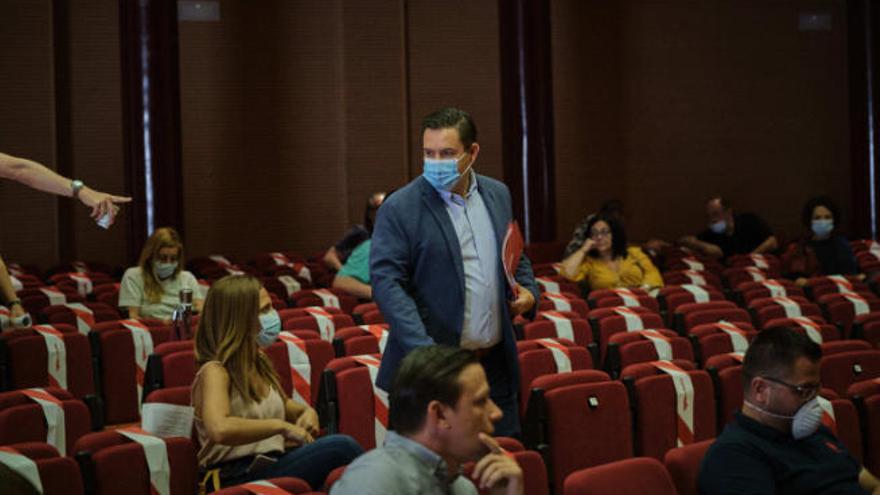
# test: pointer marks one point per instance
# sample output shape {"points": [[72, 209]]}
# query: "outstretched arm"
{"points": [[39, 177]]}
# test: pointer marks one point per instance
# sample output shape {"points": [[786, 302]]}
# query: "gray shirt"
{"points": [[401, 467], [481, 327]]}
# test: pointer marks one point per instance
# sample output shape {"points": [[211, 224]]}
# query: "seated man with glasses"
{"points": [[776, 443], [605, 262]]}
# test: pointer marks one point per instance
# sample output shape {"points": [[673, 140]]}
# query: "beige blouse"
{"points": [[271, 407]]}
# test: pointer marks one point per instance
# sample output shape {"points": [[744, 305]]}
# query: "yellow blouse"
{"points": [[635, 270]]}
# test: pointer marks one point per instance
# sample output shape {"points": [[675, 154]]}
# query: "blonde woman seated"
{"points": [[247, 428], [152, 289], [603, 261]]}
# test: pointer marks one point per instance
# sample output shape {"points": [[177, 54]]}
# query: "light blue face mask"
{"points": [[270, 327], [718, 227], [443, 174], [164, 270], [822, 228]]}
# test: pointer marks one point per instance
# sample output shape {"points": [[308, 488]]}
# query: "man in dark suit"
{"points": [[436, 265]]}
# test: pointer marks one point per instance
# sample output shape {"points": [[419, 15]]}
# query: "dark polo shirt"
{"points": [[749, 458]]}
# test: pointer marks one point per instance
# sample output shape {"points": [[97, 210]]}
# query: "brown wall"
{"points": [[29, 220], [293, 111], [664, 103]]}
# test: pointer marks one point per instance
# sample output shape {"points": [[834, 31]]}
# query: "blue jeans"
{"points": [[312, 462]]}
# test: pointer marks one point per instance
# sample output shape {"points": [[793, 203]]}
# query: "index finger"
{"points": [[491, 444]]}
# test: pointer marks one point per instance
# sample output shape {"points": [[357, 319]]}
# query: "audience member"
{"points": [[247, 427], [152, 289], [354, 276], [824, 250], [610, 208], [604, 261], [729, 233], [337, 255], [435, 262], [776, 443], [441, 417]]}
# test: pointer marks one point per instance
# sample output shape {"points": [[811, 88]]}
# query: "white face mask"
{"points": [[718, 227], [804, 422]]}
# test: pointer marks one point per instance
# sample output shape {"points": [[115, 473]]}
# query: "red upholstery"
{"points": [[727, 378], [539, 362], [615, 324], [829, 332], [546, 329], [640, 475], [320, 353], [586, 425], [305, 298], [683, 464], [761, 292], [311, 323], [871, 333], [842, 311], [578, 305], [350, 398], [629, 348], [732, 315], [121, 467], [866, 396], [839, 371], [736, 276], [656, 418], [333, 477], [286, 314], [595, 296], [58, 475], [848, 429], [353, 341], [22, 419], [644, 301], [289, 485], [718, 343], [373, 318], [705, 329], [682, 277], [171, 395], [62, 314], [25, 362], [639, 370], [117, 370]]}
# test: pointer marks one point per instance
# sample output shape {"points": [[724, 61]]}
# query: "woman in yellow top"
{"points": [[605, 262]]}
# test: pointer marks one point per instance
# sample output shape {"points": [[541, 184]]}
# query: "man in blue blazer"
{"points": [[436, 265]]}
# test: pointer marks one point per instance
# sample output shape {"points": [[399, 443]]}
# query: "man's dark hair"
{"points": [[453, 117], [426, 374], [725, 203], [618, 233], [774, 352], [812, 203]]}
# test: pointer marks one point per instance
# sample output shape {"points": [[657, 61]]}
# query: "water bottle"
{"points": [[182, 316]]}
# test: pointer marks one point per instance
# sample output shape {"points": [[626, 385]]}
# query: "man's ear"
{"points": [[475, 150], [437, 416], [760, 390]]}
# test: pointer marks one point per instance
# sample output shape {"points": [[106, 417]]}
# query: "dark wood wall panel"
{"points": [[28, 219], [663, 103], [96, 121], [454, 61]]}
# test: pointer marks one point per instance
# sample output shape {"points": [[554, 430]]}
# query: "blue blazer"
{"points": [[417, 273]]}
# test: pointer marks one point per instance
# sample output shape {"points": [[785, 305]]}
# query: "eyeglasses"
{"points": [[600, 233], [806, 391]]}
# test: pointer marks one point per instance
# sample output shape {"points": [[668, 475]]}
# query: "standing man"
{"points": [[436, 265]]}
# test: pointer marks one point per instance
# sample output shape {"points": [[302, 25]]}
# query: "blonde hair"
{"points": [[227, 333], [164, 237]]}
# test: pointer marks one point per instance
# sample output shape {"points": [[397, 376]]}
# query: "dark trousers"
{"points": [[502, 392]]}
